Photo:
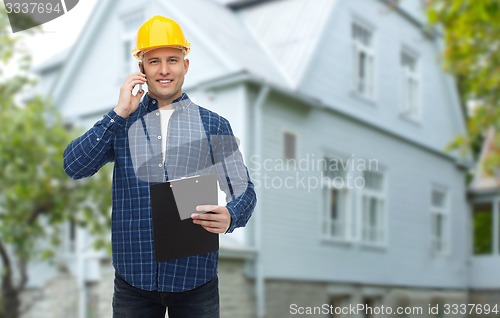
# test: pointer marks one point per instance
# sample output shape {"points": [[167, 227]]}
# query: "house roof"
{"points": [[270, 41], [222, 31], [78, 51], [289, 31], [265, 39], [483, 180], [52, 63]]}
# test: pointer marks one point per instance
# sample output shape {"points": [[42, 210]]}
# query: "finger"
{"points": [[222, 224], [213, 226], [207, 216], [139, 94], [207, 223], [206, 219], [131, 90], [137, 80], [211, 215], [130, 86], [137, 75], [221, 229], [133, 82], [207, 208], [213, 230]]}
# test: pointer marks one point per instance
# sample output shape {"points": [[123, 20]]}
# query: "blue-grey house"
{"points": [[343, 112]]}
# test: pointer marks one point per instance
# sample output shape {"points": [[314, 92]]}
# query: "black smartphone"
{"points": [[141, 67]]}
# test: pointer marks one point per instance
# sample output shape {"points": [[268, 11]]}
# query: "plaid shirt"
{"points": [[111, 140]]}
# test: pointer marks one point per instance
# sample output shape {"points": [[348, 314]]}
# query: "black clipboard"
{"points": [[175, 237]]}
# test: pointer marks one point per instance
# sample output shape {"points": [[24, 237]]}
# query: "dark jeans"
{"points": [[132, 302]]}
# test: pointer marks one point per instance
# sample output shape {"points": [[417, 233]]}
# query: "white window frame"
{"points": [[371, 301], [495, 219], [128, 65], [410, 86], [344, 224], [129, 34], [369, 234], [440, 245], [340, 301], [364, 87]]}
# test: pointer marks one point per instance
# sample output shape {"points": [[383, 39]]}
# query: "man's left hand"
{"points": [[218, 221]]}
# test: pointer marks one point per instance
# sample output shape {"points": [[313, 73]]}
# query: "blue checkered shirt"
{"points": [[132, 235]]}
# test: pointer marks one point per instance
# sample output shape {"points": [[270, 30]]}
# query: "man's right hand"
{"points": [[127, 102]]}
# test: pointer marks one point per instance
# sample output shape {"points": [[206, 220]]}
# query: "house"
{"points": [[484, 197], [343, 113]]}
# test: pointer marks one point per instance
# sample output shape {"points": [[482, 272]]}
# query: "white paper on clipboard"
{"points": [[192, 191]]}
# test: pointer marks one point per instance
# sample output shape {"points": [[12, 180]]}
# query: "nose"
{"points": [[164, 70]]}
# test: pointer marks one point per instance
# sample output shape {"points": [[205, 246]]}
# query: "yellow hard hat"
{"points": [[159, 32]]}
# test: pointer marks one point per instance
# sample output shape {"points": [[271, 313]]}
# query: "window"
{"points": [[72, 236], [373, 224], [337, 213], [482, 222], [404, 304], [372, 306], [339, 301], [129, 61], [289, 145], [410, 86], [362, 39], [437, 307], [439, 221], [130, 24], [69, 236]]}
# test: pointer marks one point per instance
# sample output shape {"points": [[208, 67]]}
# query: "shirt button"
{"points": [[112, 120], [157, 113], [159, 137], [160, 165], [98, 139], [154, 102]]}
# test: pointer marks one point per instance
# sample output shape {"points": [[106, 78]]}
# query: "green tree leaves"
{"points": [[472, 54], [37, 200]]}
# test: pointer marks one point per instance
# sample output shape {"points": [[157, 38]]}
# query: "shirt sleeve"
{"points": [[85, 155], [233, 177]]}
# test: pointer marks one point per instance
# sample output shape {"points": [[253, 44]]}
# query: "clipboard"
{"points": [[192, 191], [174, 234]]}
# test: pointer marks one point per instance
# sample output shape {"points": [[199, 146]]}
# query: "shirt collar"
{"points": [[180, 104]]}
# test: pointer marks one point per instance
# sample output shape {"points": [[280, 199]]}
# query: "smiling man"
{"points": [[167, 67], [177, 138]]}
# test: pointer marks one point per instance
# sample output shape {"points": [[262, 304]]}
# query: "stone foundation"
{"points": [[284, 298], [319, 299]]}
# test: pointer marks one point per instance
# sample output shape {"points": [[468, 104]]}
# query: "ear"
{"points": [[186, 65]]}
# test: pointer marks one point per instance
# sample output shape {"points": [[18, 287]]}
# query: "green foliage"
{"points": [[472, 54], [37, 198], [483, 229]]}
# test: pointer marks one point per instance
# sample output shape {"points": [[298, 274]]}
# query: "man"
{"points": [[162, 137]]}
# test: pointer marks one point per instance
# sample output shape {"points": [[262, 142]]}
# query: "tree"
{"points": [[37, 199], [472, 54]]}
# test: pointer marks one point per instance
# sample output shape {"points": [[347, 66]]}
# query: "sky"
{"points": [[60, 33]]}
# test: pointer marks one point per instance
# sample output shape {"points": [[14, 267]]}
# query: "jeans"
{"points": [[132, 302]]}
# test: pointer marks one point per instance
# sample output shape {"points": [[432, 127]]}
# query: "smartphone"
{"points": [[138, 87]]}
